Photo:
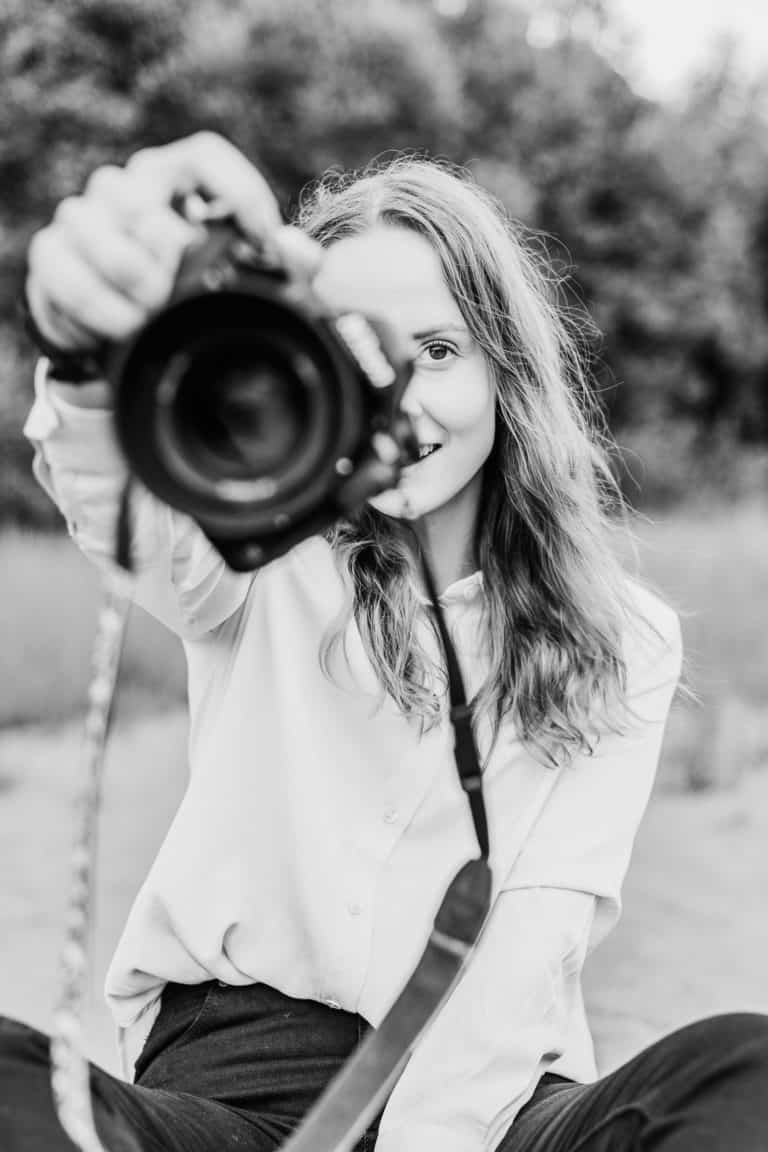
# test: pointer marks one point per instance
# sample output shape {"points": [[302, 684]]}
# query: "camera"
{"points": [[251, 407]]}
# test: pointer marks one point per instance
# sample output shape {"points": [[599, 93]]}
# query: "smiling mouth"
{"points": [[427, 450]]}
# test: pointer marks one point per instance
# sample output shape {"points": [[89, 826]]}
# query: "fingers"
{"points": [[131, 200], [208, 162], [300, 254], [369, 479], [75, 297], [109, 258], [135, 265], [56, 326]]}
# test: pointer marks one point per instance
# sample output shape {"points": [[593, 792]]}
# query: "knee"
{"points": [[712, 1079], [736, 1034], [20, 1043], [711, 1055]]}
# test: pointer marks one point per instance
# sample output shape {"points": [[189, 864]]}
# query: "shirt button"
{"points": [[354, 908], [390, 815]]}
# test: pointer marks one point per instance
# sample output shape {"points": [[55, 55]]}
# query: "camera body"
{"points": [[251, 407]]}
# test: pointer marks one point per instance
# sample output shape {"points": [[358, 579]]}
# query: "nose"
{"points": [[411, 402]]}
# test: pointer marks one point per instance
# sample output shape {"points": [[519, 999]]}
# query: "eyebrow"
{"points": [[439, 328]]}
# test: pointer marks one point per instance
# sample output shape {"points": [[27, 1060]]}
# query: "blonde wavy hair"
{"points": [[556, 600]]}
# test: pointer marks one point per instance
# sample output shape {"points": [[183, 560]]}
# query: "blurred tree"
{"points": [[656, 219], [654, 211], [300, 85], [304, 85]]}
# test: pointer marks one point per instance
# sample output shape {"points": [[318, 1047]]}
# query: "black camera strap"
{"points": [[465, 749]]}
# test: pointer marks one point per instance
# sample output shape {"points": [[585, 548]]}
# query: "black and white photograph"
{"points": [[384, 571]]}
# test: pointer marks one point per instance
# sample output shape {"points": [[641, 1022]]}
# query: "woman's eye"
{"points": [[438, 352]]}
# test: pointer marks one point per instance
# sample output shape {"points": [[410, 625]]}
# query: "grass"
{"points": [[49, 597], [711, 562]]}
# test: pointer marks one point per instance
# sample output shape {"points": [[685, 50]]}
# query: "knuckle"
{"points": [[153, 289], [104, 181], [68, 212], [170, 230], [165, 235], [158, 292], [43, 256], [37, 248], [209, 143], [126, 320], [120, 326], [143, 159], [78, 304], [106, 313], [36, 299]]}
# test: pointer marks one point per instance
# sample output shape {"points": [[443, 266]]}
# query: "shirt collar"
{"points": [[464, 590]]}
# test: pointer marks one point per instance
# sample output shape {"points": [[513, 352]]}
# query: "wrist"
{"points": [[74, 366]]}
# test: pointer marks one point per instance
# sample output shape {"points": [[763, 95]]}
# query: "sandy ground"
{"points": [[693, 940]]}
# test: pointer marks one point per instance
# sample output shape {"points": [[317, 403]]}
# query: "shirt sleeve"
{"points": [[507, 1021], [179, 576], [584, 837]]}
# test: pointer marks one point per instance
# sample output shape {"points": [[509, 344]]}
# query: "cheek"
{"points": [[462, 401], [468, 410]]}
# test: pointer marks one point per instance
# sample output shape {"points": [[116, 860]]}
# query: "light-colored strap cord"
{"points": [[69, 1067]]}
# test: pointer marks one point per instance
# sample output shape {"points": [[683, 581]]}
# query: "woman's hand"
{"points": [[109, 258]]}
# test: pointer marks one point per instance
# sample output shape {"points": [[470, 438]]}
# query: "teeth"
{"points": [[427, 449]]}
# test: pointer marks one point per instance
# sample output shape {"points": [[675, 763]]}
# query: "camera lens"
{"points": [[234, 409], [240, 408]]}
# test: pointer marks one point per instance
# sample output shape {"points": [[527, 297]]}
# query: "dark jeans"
{"points": [[235, 1069]]}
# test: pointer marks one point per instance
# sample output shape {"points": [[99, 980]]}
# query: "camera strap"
{"points": [[465, 749], [70, 1071], [358, 1093]]}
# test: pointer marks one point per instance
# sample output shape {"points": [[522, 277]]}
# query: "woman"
{"points": [[323, 820]]}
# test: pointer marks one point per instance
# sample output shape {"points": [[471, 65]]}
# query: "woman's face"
{"points": [[395, 274]]}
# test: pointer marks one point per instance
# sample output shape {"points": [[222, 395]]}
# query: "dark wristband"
{"points": [[69, 366]]}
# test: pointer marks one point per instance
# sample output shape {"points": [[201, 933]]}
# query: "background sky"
{"points": [[668, 40], [674, 36]]}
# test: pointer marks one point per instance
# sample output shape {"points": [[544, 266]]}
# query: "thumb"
{"points": [[370, 478], [300, 254]]}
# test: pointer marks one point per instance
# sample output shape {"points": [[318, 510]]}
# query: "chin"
{"points": [[405, 505], [394, 503]]}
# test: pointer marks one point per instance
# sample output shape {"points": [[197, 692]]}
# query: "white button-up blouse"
{"points": [[319, 832]]}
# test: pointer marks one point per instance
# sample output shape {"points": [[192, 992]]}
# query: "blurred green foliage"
{"points": [[657, 218]]}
